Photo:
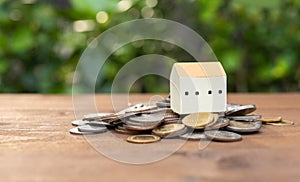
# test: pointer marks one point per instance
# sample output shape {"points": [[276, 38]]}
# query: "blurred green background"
{"points": [[257, 41]]}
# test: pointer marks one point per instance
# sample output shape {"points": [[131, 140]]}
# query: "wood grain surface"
{"points": [[35, 145]]}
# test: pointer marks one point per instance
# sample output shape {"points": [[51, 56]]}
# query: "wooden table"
{"points": [[36, 146]]}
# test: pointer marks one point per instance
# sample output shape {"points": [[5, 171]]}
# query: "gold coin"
{"points": [[282, 123], [199, 120], [270, 119], [169, 130], [127, 132], [143, 139]]}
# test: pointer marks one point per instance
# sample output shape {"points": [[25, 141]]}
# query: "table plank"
{"points": [[35, 145]]}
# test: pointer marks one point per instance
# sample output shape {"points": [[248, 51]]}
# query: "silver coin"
{"points": [[159, 110], [90, 128], [94, 116], [130, 109], [138, 108], [244, 127], [195, 135], [99, 123], [244, 118], [141, 124], [83, 122], [126, 115], [143, 107], [75, 131], [163, 104], [112, 120], [241, 110], [79, 122], [224, 136], [231, 107], [147, 118]]}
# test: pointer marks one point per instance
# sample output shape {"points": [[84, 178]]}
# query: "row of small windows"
{"points": [[209, 92]]}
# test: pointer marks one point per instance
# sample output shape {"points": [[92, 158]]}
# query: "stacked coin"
{"points": [[139, 119], [147, 123], [240, 119], [143, 122], [213, 126]]}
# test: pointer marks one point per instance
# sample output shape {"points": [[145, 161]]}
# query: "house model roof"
{"points": [[199, 69]]}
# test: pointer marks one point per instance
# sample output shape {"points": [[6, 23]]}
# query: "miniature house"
{"points": [[198, 87]]}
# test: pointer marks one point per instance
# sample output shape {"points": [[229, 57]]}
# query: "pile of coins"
{"points": [[147, 123]]}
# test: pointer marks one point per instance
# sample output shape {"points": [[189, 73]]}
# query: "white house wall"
{"points": [[175, 95], [204, 102], [175, 91]]}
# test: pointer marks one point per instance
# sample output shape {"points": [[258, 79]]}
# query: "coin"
{"points": [[99, 123], [141, 124], [244, 127], [171, 119], [194, 135], [220, 123], [90, 128], [171, 122], [143, 139], [270, 119], [241, 110], [225, 136], [95, 123], [125, 131], [244, 118], [130, 109], [140, 128], [114, 123], [139, 108], [231, 107], [169, 130], [79, 122], [163, 104], [94, 116], [199, 120], [282, 123], [141, 119], [144, 122], [147, 118], [75, 131], [126, 115], [159, 110]]}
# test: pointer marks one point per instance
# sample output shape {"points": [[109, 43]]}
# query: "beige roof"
{"points": [[200, 69]]}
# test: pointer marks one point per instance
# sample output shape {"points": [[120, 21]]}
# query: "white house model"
{"points": [[198, 87]]}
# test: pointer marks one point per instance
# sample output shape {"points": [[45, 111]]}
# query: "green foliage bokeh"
{"points": [[258, 43]]}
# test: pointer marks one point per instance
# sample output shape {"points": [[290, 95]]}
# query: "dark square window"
{"points": [[186, 93], [209, 92], [196, 93], [220, 92]]}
